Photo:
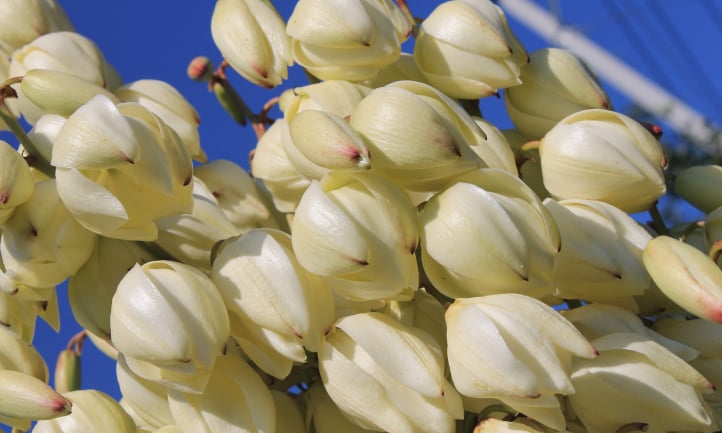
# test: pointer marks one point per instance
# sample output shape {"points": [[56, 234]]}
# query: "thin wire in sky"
{"points": [[636, 43], [701, 80]]}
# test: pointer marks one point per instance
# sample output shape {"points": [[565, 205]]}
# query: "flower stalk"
{"points": [[34, 158]]}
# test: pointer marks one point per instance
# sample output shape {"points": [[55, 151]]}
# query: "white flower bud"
{"points": [[488, 233], [686, 276], [24, 398], [511, 345], [235, 400], [633, 379], [332, 103], [166, 102], [120, 168], [601, 255], [602, 155], [169, 322], [22, 21], [92, 411], [346, 40], [263, 284], [466, 49], [555, 84], [417, 136], [252, 37], [359, 232], [66, 52], [400, 390], [55, 92], [42, 244], [328, 141]]}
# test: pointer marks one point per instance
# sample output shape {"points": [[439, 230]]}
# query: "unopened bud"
{"points": [[686, 276], [228, 100], [602, 155], [699, 186], [200, 69], [67, 371], [26, 397], [58, 92], [329, 141]]}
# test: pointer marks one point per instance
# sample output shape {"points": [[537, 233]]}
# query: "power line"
{"points": [[649, 95], [635, 40], [702, 82]]}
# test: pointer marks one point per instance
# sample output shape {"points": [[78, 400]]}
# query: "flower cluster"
{"points": [[393, 262]]}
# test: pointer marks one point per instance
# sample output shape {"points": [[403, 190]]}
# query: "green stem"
{"points": [[469, 423], [657, 220], [34, 159], [690, 229], [497, 408]]}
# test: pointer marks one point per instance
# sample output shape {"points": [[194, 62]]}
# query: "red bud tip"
{"points": [[714, 313], [61, 405], [260, 71], [653, 129], [200, 69], [350, 152]]}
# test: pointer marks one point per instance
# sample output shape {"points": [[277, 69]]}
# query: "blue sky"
{"points": [[674, 43]]}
